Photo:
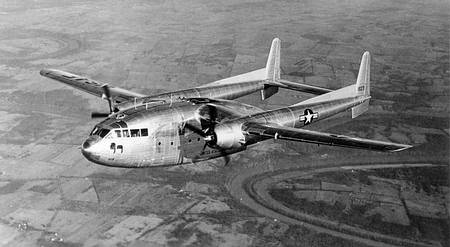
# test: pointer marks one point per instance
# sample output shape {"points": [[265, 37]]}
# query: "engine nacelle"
{"points": [[229, 136]]}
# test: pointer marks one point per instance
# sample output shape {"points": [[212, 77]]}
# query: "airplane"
{"points": [[206, 122]]}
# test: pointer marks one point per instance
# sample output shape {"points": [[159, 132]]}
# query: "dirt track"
{"points": [[250, 188]]}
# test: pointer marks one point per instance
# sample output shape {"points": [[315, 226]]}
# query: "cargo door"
{"points": [[167, 143]]}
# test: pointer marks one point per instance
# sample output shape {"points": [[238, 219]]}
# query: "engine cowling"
{"points": [[229, 136]]}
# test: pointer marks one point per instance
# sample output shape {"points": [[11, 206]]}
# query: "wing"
{"points": [[89, 85], [302, 135]]}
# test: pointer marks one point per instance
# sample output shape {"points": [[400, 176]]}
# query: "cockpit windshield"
{"points": [[94, 131], [100, 132], [103, 132]]}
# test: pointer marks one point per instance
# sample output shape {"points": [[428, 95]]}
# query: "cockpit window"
{"points": [[135, 133], [126, 133], [99, 131], [115, 133], [118, 133], [95, 131], [144, 132], [103, 132]]}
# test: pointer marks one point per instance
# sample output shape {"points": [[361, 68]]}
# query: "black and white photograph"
{"points": [[259, 123]]}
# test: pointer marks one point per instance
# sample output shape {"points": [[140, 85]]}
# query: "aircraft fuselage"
{"points": [[156, 136]]}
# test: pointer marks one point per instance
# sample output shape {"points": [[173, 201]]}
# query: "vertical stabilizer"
{"points": [[272, 70], [363, 80], [273, 61], [363, 85]]}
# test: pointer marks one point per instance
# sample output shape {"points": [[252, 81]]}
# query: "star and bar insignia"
{"points": [[308, 116]]}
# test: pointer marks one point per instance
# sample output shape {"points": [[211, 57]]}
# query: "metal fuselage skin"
{"points": [[167, 142], [163, 115]]}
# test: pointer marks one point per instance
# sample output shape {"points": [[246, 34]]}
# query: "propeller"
{"points": [[106, 95], [99, 115], [207, 117]]}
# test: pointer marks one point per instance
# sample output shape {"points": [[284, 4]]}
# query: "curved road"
{"points": [[250, 186]]}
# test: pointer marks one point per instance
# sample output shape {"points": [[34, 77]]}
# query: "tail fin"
{"points": [[363, 81], [363, 85], [273, 61], [273, 80], [272, 70]]}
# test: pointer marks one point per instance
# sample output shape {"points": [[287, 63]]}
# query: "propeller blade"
{"points": [[213, 114], [107, 94], [196, 158], [204, 147], [106, 91], [195, 129], [207, 115], [99, 115], [225, 156]]}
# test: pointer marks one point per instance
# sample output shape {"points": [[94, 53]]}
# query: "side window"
{"points": [[118, 133], [126, 133], [135, 133], [144, 132]]}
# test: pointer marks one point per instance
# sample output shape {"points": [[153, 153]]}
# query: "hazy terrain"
{"points": [[51, 196]]}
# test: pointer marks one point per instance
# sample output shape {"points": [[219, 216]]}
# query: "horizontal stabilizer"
{"points": [[300, 87]]}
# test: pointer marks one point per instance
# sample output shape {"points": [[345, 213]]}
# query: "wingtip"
{"points": [[402, 147], [44, 72]]}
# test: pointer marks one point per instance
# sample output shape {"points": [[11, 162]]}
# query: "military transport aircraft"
{"points": [[205, 122]]}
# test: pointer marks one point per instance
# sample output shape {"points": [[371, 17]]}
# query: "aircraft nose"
{"points": [[86, 147]]}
